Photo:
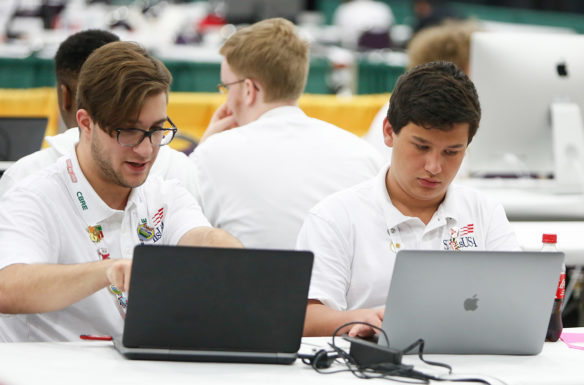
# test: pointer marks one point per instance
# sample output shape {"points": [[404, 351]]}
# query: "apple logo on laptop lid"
{"points": [[471, 304]]}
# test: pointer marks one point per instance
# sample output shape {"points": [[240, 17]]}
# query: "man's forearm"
{"points": [[208, 236], [321, 320], [41, 288]]}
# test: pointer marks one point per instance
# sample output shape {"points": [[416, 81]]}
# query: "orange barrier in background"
{"points": [[191, 111]]}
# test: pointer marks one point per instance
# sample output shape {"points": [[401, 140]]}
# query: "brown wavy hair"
{"points": [[115, 81]]}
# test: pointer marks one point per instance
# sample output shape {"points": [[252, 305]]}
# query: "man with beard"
{"points": [[67, 233]]}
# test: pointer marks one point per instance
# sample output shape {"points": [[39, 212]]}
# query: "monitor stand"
{"points": [[568, 147], [558, 199]]}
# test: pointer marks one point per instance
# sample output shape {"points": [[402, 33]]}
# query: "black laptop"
{"points": [[216, 304], [20, 136]]}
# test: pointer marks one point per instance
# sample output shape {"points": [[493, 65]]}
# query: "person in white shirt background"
{"points": [[445, 42], [268, 163], [356, 17], [67, 233], [72, 53], [355, 234]]}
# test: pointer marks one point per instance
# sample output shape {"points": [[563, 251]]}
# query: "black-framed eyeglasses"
{"points": [[131, 137], [223, 88]]}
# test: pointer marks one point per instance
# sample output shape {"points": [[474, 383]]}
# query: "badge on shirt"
{"points": [[122, 300], [71, 171], [145, 232], [95, 233], [103, 253], [465, 230], [157, 218], [461, 238], [394, 247]]}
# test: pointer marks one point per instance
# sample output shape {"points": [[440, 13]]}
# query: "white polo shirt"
{"points": [[46, 219], [374, 136], [258, 181], [356, 233], [169, 164]]}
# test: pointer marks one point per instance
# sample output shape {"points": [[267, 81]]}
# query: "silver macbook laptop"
{"points": [[471, 302], [216, 304]]}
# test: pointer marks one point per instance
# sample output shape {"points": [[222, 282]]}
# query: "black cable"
{"points": [[420, 342], [388, 371]]}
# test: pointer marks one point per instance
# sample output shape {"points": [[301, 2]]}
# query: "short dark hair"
{"points": [[115, 81], [74, 50], [434, 95]]}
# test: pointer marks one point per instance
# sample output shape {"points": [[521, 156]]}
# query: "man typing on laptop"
{"points": [[433, 115], [67, 233]]}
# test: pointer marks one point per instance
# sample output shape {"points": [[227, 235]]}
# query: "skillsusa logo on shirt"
{"points": [[147, 233], [158, 224], [460, 238]]}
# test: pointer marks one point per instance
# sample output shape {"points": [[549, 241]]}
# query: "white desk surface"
{"points": [[533, 210], [570, 238], [531, 199], [88, 363]]}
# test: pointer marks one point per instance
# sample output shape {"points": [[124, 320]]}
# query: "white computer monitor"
{"points": [[531, 89]]}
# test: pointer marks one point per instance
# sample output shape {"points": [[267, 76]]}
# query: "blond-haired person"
{"points": [[446, 42], [268, 163], [67, 232]]}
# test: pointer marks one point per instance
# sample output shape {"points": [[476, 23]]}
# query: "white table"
{"points": [[531, 199], [570, 237], [533, 209], [91, 363]]}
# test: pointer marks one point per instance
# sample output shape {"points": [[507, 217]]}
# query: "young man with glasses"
{"points": [[269, 163], [67, 233], [72, 53]]}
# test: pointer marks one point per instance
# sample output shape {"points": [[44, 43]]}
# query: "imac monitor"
{"points": [[531, 90]]}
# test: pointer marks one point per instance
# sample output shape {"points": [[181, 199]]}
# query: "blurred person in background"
{"points": [[364, 24], [447, 42], [72, 53], [267, 163], [432, 12]]}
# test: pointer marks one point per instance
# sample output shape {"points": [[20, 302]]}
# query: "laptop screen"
{"points": [[473, 302], [217, 299], [20, 136]]}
